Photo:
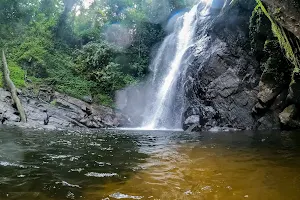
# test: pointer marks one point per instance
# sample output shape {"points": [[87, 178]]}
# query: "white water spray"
{"points": [[184, 38], [159, 102]]}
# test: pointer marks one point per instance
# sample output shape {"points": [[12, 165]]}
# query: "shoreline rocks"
{"points": [[62, 112]]}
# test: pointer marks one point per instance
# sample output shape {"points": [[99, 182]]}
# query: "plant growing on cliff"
{"points": [[282, 37]]}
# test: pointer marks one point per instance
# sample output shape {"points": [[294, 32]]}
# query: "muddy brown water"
{"points": [[149, 165]]}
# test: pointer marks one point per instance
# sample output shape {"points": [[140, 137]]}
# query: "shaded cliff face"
{"points": [[221, 84], [246, 76], [284, 19], [286, 12]]}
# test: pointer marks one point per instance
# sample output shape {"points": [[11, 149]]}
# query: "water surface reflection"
{"points": [[149, 165]]}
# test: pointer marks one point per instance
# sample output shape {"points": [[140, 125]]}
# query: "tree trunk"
{"points": [[11, 86]]}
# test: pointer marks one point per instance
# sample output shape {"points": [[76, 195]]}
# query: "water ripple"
{"points": [[100, 175]]}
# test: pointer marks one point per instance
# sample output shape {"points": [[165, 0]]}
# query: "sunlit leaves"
{"points": [[80, 48]]}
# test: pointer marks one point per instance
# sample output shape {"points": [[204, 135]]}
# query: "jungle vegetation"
{"points": [[82, 47]]}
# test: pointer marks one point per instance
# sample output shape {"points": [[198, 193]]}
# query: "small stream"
{"points": [[148, 165]]}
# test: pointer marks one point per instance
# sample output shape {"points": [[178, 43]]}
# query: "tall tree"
{"points": [[63, 30]]}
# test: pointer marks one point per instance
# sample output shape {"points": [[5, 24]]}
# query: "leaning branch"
{"points": [[11, 86]]}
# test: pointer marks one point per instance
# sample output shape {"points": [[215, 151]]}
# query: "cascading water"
{"points": [[159, 102], [166, 67]]}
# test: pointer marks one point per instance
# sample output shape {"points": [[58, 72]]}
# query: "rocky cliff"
{"points": [[52, 110], [286, 13], [246, 75]]}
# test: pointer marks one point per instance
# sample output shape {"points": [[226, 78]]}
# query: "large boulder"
{"points": [[288, 117]]}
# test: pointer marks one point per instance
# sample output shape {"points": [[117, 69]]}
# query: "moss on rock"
{"points": [[259, 31], [281, 34], [289, 43], [276, 69], [267, 49]]}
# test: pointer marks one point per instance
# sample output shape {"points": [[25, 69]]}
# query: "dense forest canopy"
{"points": [[83, 47]]}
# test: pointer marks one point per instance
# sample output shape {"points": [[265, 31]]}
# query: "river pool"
{"points": [[112, 164]]}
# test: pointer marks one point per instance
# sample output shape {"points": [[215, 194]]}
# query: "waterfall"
{"points": [[158, 102], [167, 67]]}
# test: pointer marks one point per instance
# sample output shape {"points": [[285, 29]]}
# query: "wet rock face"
{"points": [[222, 80], [242, 77], [287, 13], [278, 88]]}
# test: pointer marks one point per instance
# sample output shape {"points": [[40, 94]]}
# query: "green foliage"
{"points": [[94, 61], [1, 80], [277, 69], [60, 43], [146, 36], [93, 56], [54, 102], [89, 35], [277, 13], [63, 30], [104, 100], [17, 75], [63, 77], [74, 86], [30, 52], [110, 78], [12, 14], [260, 31]]}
